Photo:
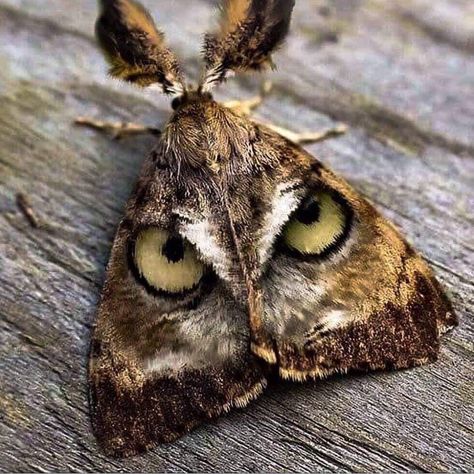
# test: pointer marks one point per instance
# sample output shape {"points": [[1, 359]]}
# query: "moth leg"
{"points": [[246, 107], [117, 130], [306, 137]]}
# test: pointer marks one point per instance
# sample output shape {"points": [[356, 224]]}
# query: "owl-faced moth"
{"points": [[239, 255]]}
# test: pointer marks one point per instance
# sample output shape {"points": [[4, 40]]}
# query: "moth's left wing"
{"points": [[343, 290], [170, 348]]}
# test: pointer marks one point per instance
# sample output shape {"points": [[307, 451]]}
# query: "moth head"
{"points": [[190, 96], [202, 132]]}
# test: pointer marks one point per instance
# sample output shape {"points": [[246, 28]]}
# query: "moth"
{"points": [[240, 257]]}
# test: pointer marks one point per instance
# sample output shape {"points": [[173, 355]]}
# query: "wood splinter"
{"points": [[27, 210], [118, 130]]}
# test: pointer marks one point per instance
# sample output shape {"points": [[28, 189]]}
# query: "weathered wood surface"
{"points": [[399, 73]]}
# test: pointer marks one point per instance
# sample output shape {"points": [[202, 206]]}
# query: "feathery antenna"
{"points": [[135, 48]]}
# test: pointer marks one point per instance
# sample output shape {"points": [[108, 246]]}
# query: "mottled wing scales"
{"points": [[168, 354], [160, 365], [392, 338], [132, 411], [371, 303]]}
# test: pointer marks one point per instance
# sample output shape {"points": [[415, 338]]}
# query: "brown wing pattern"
{"points": [[370, 303], [268, 256], [131, 412], [161, 364]]}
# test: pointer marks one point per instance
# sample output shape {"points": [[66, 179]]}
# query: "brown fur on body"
{"points": [[161, 362]]}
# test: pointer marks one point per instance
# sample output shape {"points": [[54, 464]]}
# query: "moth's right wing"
{"points": [[170, 347], [343, 290]]}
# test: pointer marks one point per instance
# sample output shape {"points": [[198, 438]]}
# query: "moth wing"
{"points": [[347, 292], [159, 365]]}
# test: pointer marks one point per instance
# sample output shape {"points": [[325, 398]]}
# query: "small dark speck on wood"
{"points": [[26, 208]]}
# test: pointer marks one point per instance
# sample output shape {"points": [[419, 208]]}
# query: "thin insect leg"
{"points": [[246, 107], [307, 137], [27, 209], [118, 130]]}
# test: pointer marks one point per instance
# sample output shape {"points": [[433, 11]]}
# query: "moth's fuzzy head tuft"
{"points": [[190, 96], [202, 132]]}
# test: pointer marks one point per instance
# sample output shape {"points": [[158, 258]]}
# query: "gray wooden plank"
{"points": [[397, 73]]}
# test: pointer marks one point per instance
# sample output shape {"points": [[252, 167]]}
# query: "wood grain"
{"points": [[400, 74]]}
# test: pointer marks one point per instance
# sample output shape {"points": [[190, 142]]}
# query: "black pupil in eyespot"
{"points": [[173, 249], [175, 103], [309, 212]]}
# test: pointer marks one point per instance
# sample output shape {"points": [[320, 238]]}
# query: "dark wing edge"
{"points": [[391, 339], [132, 412]]}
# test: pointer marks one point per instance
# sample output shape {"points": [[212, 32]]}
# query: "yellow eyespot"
{"points": [[318, 226], [167, 262]]}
